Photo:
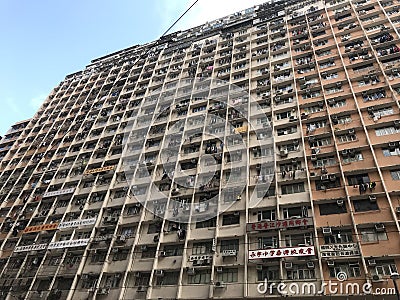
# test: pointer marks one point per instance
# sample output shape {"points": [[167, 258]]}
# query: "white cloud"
{"points": [[201, 12], [37, 101]]}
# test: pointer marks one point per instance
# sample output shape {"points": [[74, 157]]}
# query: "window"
{"points": [[321, 142], [295, 240], [357, 157], [113, 280], [346, 138], [326, 185], [389, 152], [339, 237], [324, 161], [371, 235], [228, 275], [200, 277], [313, 109], [264, 215], [285, 131], [351, 269], [169, 278], [358, 179], [154, 228], [267, 242], [293, 188], [133, 210], [337, 103], [295, 212], [207, 223], [269, 273], [386, 131], [385, 111], [283, 115], [54, 260], [395, 174], [231, 219], [173, 250], [148, 252], [202, 248], [332, 208], [386, 268], [365, 205], [229, 245], [122, 254], [143, 279], [300, 272]]}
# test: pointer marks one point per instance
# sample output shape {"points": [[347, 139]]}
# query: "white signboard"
{"points": [[30, 248], [349, 249], [68, 244], [281, 252], [77, 223], [58, 193]]}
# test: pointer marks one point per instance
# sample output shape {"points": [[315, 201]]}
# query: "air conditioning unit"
{"points": [[313, 157], [159, 273], [340, 202], [392, 146], [229, 252], [398, 209], [372, 198], [376, 278], [327, 231], [136, 274], [219, 284], [330, 263], [103, 291], [288, 265], [283, 152], [163, 254], [325, 177], [310, 265], [259, 267], [371, 262], [219, 269], [396, 124], [380, 227], [351, 131], [141, 289], [143, 248], [85, 276]]}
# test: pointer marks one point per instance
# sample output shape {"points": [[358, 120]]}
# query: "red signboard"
{"points": [[280, 224]]}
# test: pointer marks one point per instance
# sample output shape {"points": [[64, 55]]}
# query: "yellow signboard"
{"points": [[98, 170]]}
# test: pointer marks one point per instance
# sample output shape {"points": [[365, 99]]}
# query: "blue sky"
{"points": [[45, 40]]}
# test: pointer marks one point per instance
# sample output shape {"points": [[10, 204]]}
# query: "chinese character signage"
{"points": [[98, 170], [42, 227], [281, 252], [199, 257], [280, 224], [30, 248], [58, 193], [350, 249], [77, 223], [68, 244]]}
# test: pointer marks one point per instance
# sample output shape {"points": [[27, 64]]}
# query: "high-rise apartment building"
{"points": [[262, 147]]}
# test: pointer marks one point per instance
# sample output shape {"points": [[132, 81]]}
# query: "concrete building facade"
{"points": [[136, 177]]}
